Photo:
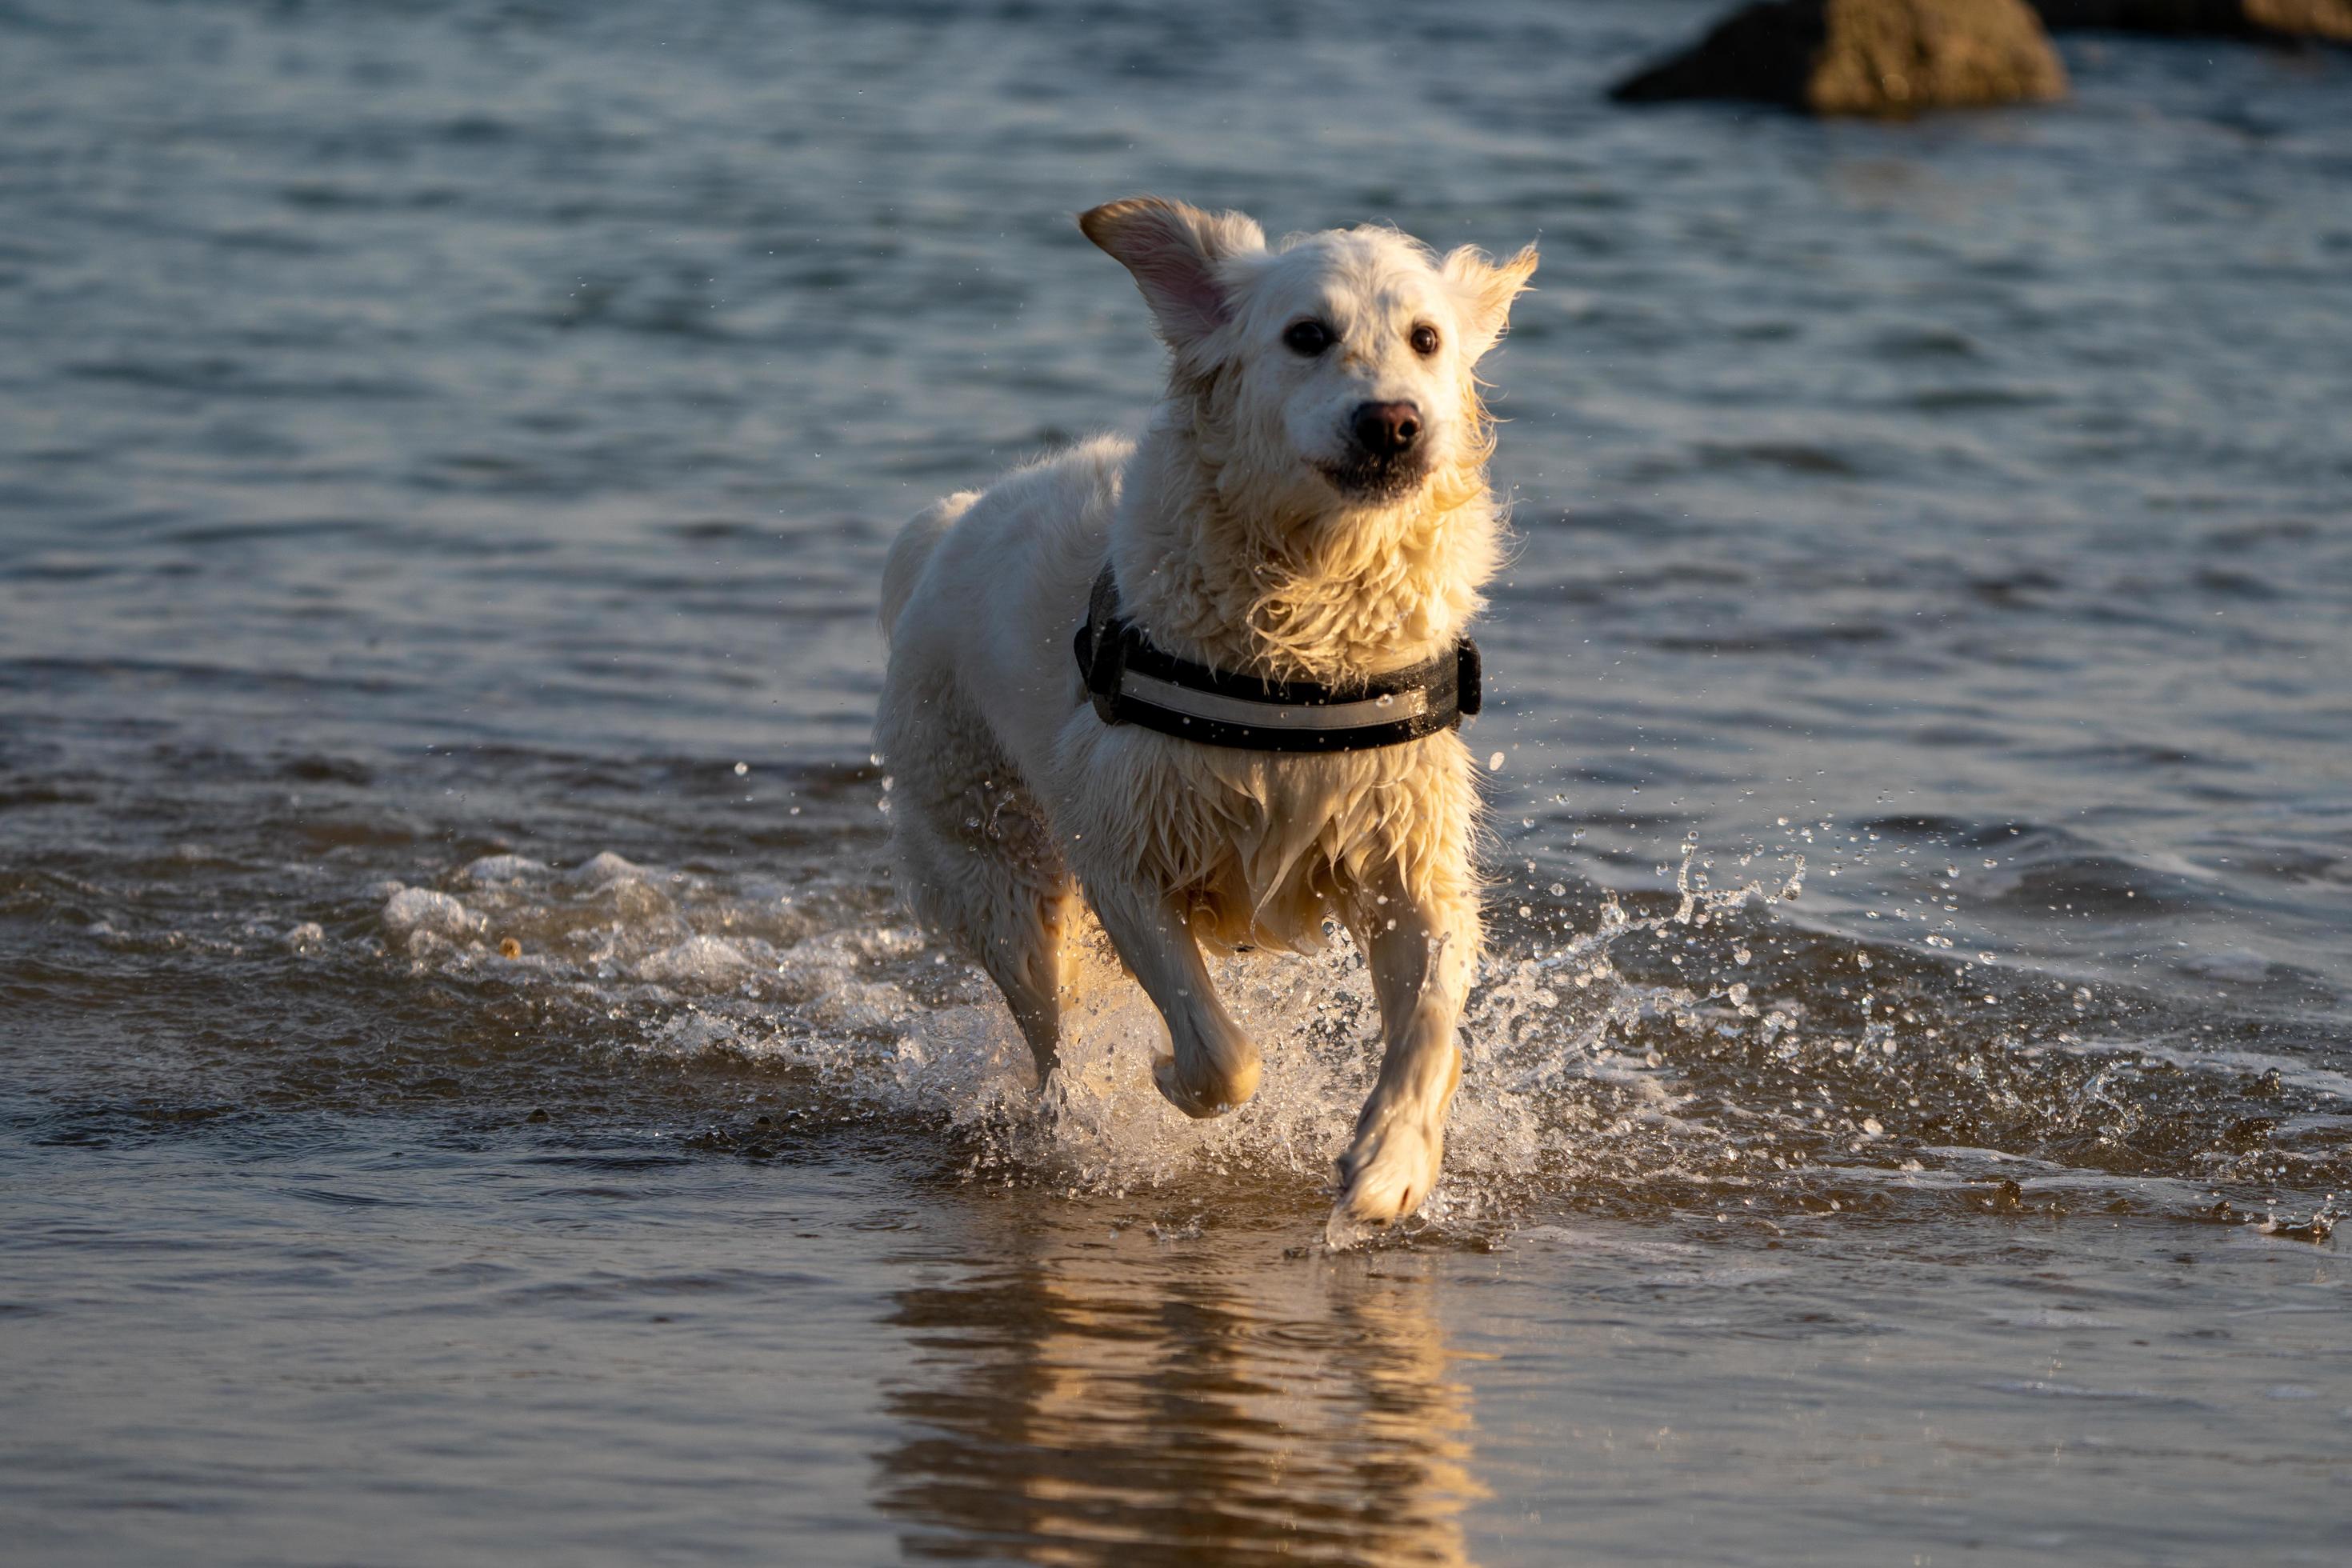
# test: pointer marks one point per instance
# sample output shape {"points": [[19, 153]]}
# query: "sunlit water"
{"points": [[471, 1094]]}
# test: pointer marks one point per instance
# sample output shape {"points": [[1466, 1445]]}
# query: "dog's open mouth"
{"points": [[1376, 476]]}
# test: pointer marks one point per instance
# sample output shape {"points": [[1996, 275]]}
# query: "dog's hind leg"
{"points": [[1213, 1065], [1025, 953], [1422, 954], [975, 861], [1010, 912]]}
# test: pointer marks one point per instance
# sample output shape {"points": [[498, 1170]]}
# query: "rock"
{"points": [[2223, 18], [1886, 57]]}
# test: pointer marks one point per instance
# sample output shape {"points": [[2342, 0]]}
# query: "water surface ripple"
{"points": [[470, 1093]]}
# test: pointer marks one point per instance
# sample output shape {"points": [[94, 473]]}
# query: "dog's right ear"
{"points": [[1175, 253], [1488, 290]]}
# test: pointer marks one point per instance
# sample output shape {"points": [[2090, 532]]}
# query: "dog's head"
{"points": [[1342, 362]]}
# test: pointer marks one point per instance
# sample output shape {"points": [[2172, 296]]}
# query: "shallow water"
{"points": [[445, 455]]}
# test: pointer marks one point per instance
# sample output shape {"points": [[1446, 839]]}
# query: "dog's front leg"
{"points": [[1213, 1066], [1421, 955]]}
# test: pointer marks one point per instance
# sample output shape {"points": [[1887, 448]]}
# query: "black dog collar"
{"points": [[1133, 682]]}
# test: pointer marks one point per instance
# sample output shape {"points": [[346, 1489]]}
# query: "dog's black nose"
{"points": [[1387, 429]]}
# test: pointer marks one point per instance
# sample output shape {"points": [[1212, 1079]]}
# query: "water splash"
{"points": [[1691, 1052]]}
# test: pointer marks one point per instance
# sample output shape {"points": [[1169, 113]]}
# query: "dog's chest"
{"points": [[1265, 849]]}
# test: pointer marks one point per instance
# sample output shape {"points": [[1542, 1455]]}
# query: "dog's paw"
{"points": [[1385, 1176], [1198, 1099]]}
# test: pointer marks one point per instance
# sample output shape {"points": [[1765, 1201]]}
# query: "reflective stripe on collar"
{"points": [[1196, 704]]}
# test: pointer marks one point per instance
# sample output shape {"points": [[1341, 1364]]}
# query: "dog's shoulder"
{"points": [[1060, 501], [1093, 464]]}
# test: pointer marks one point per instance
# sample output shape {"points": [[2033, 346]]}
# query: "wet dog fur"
{"points": [[1308, 501]]}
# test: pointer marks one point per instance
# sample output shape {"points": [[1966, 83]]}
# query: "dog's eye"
{"points": [[1424, 340], [1308, 337]]}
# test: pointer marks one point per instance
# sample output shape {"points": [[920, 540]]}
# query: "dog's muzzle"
{"points": [[1388, 451]]}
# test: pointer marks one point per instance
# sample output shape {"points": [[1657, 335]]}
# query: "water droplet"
{"points": [[742, 768], [1384, 700], [1495, 763], [1740, 956], [1557, 889]]}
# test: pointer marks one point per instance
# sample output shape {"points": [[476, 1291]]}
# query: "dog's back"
{"points": [[912, 550]]}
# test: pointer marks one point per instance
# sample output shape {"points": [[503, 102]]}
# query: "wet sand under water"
{"points": [[543, 1348]]}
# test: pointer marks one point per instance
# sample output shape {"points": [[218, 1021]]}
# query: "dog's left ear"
{"points": [[1176, 253], [1488, 291]]}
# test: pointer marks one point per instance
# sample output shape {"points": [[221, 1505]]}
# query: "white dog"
{"points": [[1254, 730]]}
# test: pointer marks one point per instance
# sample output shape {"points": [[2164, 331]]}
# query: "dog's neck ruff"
{"points": [[1133, 682]]}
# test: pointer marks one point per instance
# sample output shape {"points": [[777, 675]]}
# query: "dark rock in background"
{"points": [[1886, 57], [2225, 18]]}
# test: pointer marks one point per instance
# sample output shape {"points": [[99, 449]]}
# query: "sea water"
{"points": [[471, 1092]]}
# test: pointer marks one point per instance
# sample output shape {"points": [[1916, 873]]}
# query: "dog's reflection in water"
{"points": [[1136, 1402]]}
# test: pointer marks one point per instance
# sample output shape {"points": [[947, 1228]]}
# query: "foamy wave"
{"points": [[1730, 1087], [882, 1018], [411, 913]]}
